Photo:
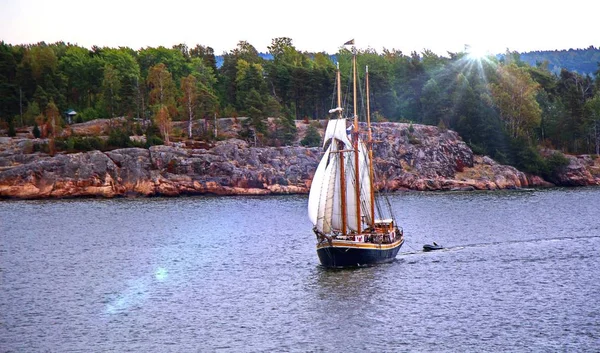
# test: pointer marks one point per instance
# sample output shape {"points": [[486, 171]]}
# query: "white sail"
{"points": [[324, 200], [351, 193], [364, 188], [336, 211], [337, 129], [315, 188], [365, 181], [324, 220]]}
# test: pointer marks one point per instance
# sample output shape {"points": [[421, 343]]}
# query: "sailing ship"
{"points": [[353, 225]]}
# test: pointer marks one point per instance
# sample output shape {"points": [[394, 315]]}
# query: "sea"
{"points": [[519, 272]]}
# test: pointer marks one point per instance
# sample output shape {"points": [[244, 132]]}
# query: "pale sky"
{"points": [[313, 25]]}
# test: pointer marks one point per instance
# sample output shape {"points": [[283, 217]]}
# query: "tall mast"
{"points": [[370, 144], [342, 166], [355, 143]]}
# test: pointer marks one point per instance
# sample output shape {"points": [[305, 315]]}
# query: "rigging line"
{"points": [[383, 197], [362, 94], [347, 96], [406, 242], [333, 96]]}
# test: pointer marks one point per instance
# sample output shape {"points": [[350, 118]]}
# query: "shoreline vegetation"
{"points": [[167, 121], [412, 157]]}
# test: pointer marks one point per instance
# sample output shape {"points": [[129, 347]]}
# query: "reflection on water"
{"points": [[241, 274]]}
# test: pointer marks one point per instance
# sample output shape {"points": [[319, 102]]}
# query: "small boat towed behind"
{"points": [[432, 247]]}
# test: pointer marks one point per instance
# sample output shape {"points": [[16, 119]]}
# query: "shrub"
{"points": [[137, 128], [118, 139], [11, 128], [442, 126], [413, 140], [378, 117], [81, 144], [41, 147], [153, 136], [527, 158], [87, 114], [153, 140], [312, 138], [476, 148], [554, 164], [96, 143], [36, 131]]}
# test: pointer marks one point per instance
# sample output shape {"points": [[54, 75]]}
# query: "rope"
{"points": [[413, 249]]}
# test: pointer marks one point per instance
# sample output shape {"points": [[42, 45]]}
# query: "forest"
{"points": [[583, 61], [502, 106]]}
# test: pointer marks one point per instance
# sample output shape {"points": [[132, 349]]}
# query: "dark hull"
{"points": [[342, 254], [428, 247]]}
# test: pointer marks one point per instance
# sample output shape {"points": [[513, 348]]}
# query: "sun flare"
{"points": [[476, 53]]}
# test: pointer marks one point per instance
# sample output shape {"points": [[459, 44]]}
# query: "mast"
{"points": [[342, 171], [355, 143], [370, 144]]}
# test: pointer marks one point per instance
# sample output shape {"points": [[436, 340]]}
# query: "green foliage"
{"points": [[478, 99], [514, 94], [88, 114], [154, 140], [111, 85], [33, 110], [583, 61], [526, 157], [153, 136], [81, 144], [162, 86], [413, 140], [476, 148], [118, 138], [36, 131], [284, 132], [173, 59], [41, 147], [11, 128], [312, 137], [555, 163], [442, 126]]}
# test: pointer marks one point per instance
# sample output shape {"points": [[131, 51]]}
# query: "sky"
{"points": [[313, 25]]}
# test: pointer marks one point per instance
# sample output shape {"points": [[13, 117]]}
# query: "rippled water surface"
{"points": [[520, 272]]}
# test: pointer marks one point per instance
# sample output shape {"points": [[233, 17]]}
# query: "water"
{"points": [[207, 274]]}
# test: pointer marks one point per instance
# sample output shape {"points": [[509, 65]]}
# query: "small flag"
{"points": [[350, 42]]}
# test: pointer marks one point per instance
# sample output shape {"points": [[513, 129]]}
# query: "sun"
{"points": [[476, 52]]}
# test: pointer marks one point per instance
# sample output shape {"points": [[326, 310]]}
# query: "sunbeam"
{"points": [[476, 52]]}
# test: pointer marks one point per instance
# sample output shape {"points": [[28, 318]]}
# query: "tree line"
{"points": [[583, 61], [502, 107]]}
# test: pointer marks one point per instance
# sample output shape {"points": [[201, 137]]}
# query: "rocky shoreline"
{"points": [[416, 157]]}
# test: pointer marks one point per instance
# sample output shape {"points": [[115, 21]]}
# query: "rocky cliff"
{"points": [[407, 158]]}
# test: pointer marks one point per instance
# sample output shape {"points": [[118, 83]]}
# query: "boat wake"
{"points": [[497, 243]]}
